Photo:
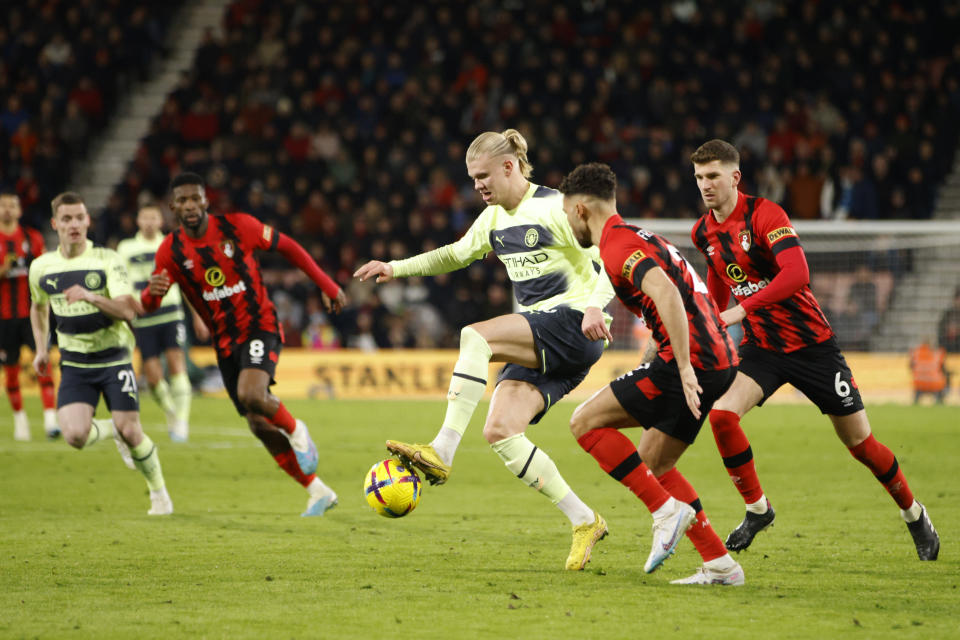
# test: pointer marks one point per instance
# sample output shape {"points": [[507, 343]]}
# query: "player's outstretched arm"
{"points": [[334, 298], [665, 295], [382, 270]]}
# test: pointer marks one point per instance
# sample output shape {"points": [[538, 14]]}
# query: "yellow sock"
{"points": [[147, 460]]}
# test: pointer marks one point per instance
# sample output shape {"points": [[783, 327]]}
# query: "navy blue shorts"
{"points": [[565, 355], [653, 396], [14, 334], [261, 351], [153, 341], [820, 372], [118, 384]]}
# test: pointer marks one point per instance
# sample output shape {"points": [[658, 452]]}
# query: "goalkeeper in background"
{"points": [[753, 252], [549, 346]]}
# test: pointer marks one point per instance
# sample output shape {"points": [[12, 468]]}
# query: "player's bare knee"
{"points": [[253, 400], [75, 439], [499, 428], [579, 423]]}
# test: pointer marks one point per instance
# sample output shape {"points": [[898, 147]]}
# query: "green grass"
{"points": [[481, 556]]}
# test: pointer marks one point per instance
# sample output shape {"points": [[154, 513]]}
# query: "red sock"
{"points": [[618, 457], [288, 462], [46, 392], [737, 455], [701, 534], [883, 464], [283, 419], [13, 386]]}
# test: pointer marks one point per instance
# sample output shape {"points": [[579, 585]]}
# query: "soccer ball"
{"points": [[392, 489]]}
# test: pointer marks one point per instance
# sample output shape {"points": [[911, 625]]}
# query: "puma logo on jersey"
{"points": [[52, 282], [500, 240]]}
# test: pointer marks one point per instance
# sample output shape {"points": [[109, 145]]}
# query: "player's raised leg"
{"points": [[514, 405], [504, 339], [253, 394], [286, 438], [277, 443], [854, 432], [734, 448]]}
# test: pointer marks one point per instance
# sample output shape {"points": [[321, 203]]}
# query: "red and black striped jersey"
{"points": [[628, 253], [742, 252], [220, 275], [18, 250]]}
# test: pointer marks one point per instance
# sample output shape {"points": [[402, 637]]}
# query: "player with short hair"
{"points": [[549, 346], [89, 291], [753, 251], [19, 246], [667, 394], [213, 259], [161, 333]]}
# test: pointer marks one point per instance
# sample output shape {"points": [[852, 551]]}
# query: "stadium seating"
{"points": [[63, 67], [346, 125]]}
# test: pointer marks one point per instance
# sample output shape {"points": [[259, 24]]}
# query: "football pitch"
{"points": [[482, 556]]}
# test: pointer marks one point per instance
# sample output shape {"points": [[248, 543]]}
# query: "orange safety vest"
{"points": [[926, 364]]}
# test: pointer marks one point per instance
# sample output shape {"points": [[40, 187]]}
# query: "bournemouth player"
{"points": [[161, 333], [668, 394], [549, 346], [213, 259], [19, 245], [753, 251], [92, 300]]}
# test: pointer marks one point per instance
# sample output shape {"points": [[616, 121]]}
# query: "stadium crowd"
{"points": [[63, 67], [345, 124]]}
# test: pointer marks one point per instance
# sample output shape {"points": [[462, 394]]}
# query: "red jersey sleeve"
{"points": [[772, 228], [630, 258], [254, 233]]}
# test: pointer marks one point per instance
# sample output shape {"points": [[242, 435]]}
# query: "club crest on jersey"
{"points": [[531, 238], [214, 277], [744, 238], [92, 280], [228, 248]]}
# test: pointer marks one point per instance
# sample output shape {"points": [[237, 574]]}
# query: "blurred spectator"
{"points": [[62, 66], [949, 328]]}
